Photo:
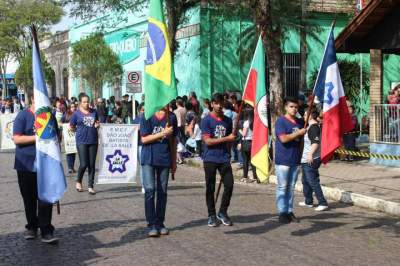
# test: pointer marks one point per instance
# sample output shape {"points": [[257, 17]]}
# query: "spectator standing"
{"points": [[245, 145], [101, 110], [66, 119], [310, 163], [349, 138], [180, 114]]}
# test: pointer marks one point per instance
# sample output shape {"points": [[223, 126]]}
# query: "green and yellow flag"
{"points": [[159, 75]]}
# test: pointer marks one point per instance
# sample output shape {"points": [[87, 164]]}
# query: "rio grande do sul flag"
{"points": [[329, 91], [159, 75], [255, 94], [50, 173]]}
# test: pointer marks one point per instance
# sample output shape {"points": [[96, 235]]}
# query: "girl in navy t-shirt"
{"points": [[86, 122]]}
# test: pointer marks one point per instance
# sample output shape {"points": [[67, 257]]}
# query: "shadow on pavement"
{"points": [[76, 247]]}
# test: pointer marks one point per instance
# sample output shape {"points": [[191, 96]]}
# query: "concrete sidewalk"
{"points": [[359, 183]]}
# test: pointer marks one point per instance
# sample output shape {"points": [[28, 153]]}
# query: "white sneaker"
{"points": [[143, 191], [321, 208], [303, 204]]}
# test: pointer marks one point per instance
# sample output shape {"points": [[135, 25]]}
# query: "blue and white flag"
{"points": [[50, 173]]}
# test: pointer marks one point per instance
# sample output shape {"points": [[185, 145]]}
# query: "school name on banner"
{"points": [[118, 154], [69, 139], [6, 134]]}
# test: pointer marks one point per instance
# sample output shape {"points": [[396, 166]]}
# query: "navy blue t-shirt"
{"points": [[215, 127], [287, 153], [25, 155], [157, 153], [86, 133]]}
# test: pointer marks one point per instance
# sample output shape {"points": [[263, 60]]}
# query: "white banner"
{"points": [[68, 139], [118, 153], [6, 124]]}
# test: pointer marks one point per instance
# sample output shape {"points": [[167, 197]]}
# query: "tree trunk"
{"points": [[173, 15], [3, 71], [303, 49]]}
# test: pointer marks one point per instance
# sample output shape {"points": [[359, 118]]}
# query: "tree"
{"points": [[95, 62], [15, 18], [23, 75]]}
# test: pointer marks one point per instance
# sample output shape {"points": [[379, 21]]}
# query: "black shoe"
{"points": [[224, 218], [49, 239], [212, 221], [284, 218], [30, 234], [293, 218]]}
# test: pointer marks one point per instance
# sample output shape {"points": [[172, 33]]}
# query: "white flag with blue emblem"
{"points": [[50, 174]]}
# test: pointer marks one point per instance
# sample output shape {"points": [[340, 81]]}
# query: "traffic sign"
{"points": [[134, 82]]}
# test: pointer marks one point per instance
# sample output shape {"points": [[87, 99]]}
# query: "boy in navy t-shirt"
{"points": [[217, 136], [157, 159], [289, 136], [38, 213]]}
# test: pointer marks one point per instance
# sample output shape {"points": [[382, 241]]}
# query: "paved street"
{"points": [[109, 229]]}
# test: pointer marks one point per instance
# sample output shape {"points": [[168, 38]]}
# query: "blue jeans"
{"points": [[71, 160], [140, 165], [155, 178], [310, 180], [287, 177]]}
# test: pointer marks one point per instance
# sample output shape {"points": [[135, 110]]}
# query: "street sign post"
{"points": [[133, 85], [134, 82]]}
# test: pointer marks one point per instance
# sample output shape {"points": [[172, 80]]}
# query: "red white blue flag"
{"points": [[329, 91]]}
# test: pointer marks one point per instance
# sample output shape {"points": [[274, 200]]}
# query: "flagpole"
{"points": [[170, 143], [315, 85]]}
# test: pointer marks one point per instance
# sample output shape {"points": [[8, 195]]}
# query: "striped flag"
{"points": [[50, 173], [329, 91], [255, 94], [159, 75]]}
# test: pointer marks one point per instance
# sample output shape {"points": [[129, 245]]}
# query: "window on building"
{"points": [[291, 74]]}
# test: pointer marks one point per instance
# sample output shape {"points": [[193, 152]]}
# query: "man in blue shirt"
{"points": [[217, 136], [289, 136], [38, 213], [157, 159]]}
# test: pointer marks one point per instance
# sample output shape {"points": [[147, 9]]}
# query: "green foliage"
{"points": [[350, 75], [24, 77], [95, 62]]}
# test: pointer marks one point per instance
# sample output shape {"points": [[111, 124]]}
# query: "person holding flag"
{"points": [[158, 127], [38, 213], [37, 158]]}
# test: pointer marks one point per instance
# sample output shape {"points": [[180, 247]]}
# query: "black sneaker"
{"points": [[212, 221], [224, 218], [49, 239], [284, 218], [30, 234], [293, 218]]}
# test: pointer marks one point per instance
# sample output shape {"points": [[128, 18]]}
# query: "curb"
{"points": [[336, 194]]}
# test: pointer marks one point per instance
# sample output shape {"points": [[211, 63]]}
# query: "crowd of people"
{"points": [[219, 130]]}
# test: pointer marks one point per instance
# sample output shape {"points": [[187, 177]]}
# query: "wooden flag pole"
{"points": [[235, 130], [171, 144]]}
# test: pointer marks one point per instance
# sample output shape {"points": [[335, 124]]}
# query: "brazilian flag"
{"points": [[159, 75]]}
